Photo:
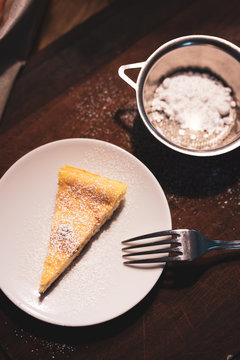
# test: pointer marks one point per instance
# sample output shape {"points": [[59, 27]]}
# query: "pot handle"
{"points": [[121, 73]]}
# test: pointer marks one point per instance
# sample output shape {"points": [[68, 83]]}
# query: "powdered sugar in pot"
{"points": [[194, 109], [202, 117]]}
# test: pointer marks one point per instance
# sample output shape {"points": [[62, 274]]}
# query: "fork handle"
{"points": [[228, 245]]}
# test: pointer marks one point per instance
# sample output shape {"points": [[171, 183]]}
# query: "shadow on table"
{"points": [[181, 275], [178, 173], [175, 276], [71, 337]]}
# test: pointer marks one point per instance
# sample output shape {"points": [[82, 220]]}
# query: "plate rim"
{"points": [[40, 315]]}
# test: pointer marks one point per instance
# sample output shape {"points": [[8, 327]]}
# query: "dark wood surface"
{"points": [[72, 89]]}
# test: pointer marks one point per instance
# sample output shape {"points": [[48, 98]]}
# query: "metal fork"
{"points": [[184, 244]]}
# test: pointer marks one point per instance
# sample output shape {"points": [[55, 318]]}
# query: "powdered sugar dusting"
{"points": [[84, 202], [193, 109], [63, 239]]}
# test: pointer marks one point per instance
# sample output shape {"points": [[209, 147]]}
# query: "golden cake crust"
{"points": [[85, 201]]}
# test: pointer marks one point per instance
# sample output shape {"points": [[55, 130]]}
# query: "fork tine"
{"points": [[148, 252], [151, 235], [162, 259], [159, 242]]}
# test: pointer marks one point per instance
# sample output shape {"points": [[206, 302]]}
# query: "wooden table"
{"points": [[72, 89]]}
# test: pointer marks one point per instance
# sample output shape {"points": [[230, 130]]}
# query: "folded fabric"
{"points": [[19, 20]]}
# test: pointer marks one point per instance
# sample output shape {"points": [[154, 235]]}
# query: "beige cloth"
{"points": [[18, 27]]}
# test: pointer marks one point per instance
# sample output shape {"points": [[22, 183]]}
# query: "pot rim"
{"points": [[188, 40]]}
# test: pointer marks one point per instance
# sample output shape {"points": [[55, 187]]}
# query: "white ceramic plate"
{"points": [[97, 287]]}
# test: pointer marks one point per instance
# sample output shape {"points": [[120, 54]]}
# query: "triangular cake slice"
{"points": [[84, 202]]}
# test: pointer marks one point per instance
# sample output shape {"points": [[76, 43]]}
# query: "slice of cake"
{"points": [[84, 202]]}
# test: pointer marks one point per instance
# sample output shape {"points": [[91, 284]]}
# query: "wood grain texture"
{"points": [[72, 89]]}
